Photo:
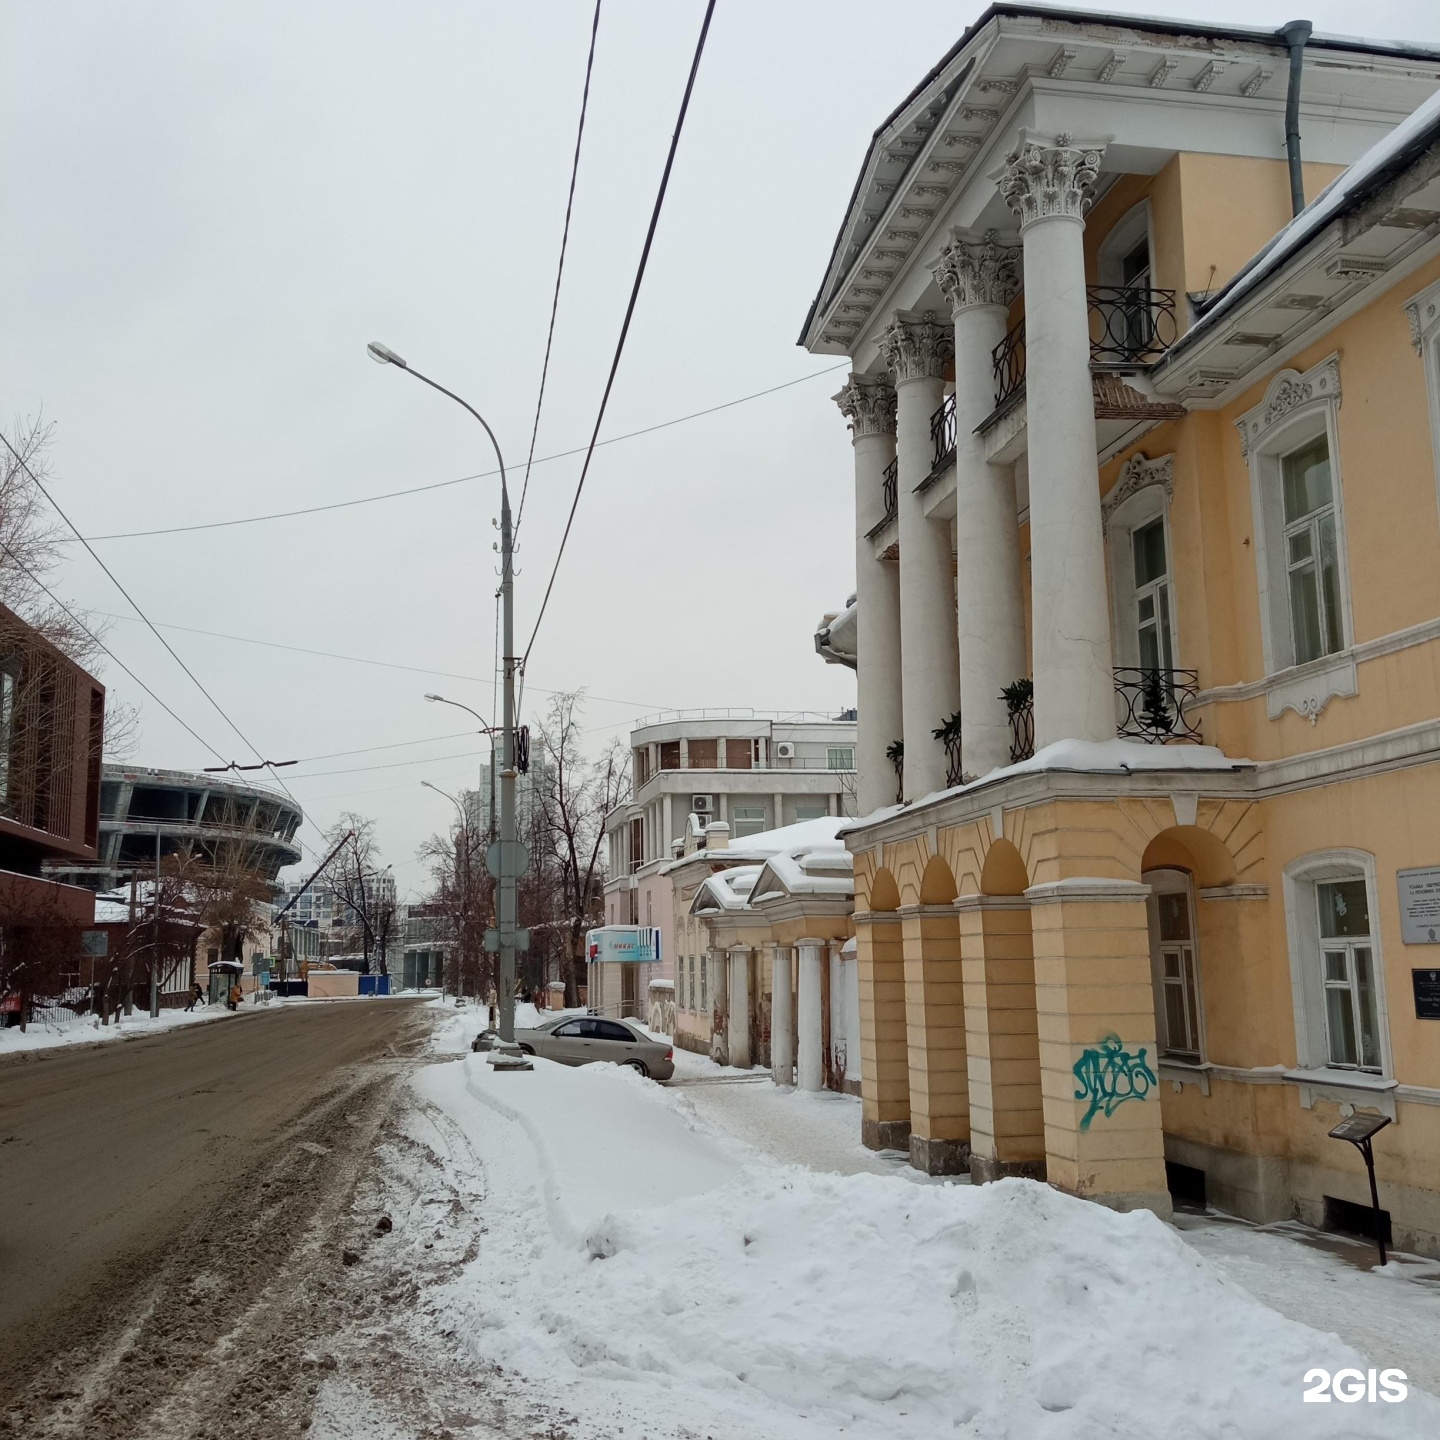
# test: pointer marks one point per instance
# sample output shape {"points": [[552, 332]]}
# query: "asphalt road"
{"points": [[153, 1193]]}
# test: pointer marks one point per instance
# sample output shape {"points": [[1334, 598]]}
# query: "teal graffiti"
{"points": [[1110, 1076]]}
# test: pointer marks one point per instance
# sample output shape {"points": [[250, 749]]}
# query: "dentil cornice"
{"points": [[869, 405], [916, 347], [983, 274], [1048, 178]]}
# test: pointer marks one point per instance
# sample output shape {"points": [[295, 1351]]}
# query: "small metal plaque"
{"points": [[499, 852], [1419, 905], [1359, 1127], [1427, 994]]}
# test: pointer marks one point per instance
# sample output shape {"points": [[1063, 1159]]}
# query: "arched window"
{"points": [[1175, 966]]}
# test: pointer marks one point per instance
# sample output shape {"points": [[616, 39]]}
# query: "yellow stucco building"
{"points": [[1148, 493]]}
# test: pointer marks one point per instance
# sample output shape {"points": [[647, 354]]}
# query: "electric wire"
{"points": [[625, 325], [96, 640], [219, 709], [560, 268], [467, 479]]}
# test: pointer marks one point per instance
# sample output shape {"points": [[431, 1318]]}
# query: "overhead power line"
{"points": [[644, 705], [466, 479], [560, 268], [96, 640], [625, 325], [219, 709]]}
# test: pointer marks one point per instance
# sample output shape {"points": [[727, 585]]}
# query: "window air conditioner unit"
{"points": [[785, 750], [702, 804]]}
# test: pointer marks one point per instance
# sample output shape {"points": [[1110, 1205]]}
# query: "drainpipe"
{"points": [[1295, 34]]}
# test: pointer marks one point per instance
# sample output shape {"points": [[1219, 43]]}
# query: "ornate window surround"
{"points": [[1423, 312], [1302, 938], [1141, 493], [1296, 408]]}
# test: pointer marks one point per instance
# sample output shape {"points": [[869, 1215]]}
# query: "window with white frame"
{"points": [[1175, 966], [1347, 961], [840, 757], [811, 810], [705, 982], [1423, 312], [1335, 962], [1136, 517], [1312, 563], [1291, 443]]}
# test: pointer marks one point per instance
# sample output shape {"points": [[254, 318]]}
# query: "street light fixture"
{"points": [[507, 858]]}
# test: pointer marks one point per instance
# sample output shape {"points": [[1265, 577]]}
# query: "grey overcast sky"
{"points": [[209, 208]]}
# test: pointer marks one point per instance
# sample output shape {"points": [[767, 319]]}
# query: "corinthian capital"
{"points": [[983, 274], [868, 403], [916, 347], [1044, 179]]}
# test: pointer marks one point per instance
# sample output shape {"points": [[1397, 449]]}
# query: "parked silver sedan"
{"points": [[585, 1039]]}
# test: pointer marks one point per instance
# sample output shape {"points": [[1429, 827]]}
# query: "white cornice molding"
{"points": [[1137, 474], [1287, 392], [1423, 312]]}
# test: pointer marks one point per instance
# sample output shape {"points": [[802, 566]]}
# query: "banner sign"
{"points": [[625, 944]]}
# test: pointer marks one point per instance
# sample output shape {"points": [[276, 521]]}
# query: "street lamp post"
{"points": [[505, 859], [485, 729]]}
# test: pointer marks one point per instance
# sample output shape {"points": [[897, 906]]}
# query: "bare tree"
{"points": [[573, 796], [358, 886], [464, 896]]}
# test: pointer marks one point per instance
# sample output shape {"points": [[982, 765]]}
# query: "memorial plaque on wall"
{"points": [[1419, 905], [1427, 994]]}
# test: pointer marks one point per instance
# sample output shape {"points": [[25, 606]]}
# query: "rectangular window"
{"points": [[1178, 976], [704, 982], [809, 810], [1152, 596], [1347, 968], [704, 754], [670, 755], [692, 984], [1311, 554], [840, 757], [747, 819]]}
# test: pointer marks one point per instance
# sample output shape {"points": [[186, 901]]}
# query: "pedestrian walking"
{"points": [[234, 1000], [196, 993]]}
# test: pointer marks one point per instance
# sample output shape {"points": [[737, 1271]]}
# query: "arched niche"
{"points": [[1192, 849], [937, 884], [1004, 871], [884, 892]]}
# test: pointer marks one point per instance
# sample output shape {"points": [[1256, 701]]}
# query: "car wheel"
{"points": [[527, 1049], [639, 1067]]}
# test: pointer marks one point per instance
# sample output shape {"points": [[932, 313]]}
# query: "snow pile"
{"points": [[87, 1029], [660, 1278]]}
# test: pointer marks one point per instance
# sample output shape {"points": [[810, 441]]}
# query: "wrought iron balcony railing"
{"points": [[1129, 325], [1154, 705], [889, 497], [1022, 732], [1008, 360], [942, 434]]}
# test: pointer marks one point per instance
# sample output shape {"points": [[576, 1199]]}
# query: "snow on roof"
{"points": [[1390, 154], [730, 889], [766, 843], [1100, 757]]}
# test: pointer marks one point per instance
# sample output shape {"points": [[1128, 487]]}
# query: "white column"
{"points": [[869, 405], [739, 1027], [782, 1047], [916, 347], [980, 281], [667, 824], [1047, 183], [807, 1014]]}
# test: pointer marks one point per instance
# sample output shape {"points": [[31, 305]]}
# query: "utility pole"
{"points": [[507, 858], [155, 940]]}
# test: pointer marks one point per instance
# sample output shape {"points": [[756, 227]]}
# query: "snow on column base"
{"points": [[939, 1157], [885, 1134], [984, 1169]]}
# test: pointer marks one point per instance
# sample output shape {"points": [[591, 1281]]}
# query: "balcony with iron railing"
{"points": [[1130, 326], [1153, 706], [889, 496], [942, 436]]}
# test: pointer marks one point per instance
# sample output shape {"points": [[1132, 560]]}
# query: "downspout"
{"points": [[1295, 35]]}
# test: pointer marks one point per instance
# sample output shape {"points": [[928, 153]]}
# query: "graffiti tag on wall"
{"points": [[1110, 1076]]}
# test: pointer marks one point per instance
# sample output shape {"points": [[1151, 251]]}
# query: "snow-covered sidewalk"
{"points": [[87, 1029], [651, 1262]]}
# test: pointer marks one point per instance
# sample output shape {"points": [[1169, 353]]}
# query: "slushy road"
{"points": [[154, 1192]]}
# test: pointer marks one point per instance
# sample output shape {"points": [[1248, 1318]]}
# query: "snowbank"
{"points": [[87, 1029], [641, 1273]]}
